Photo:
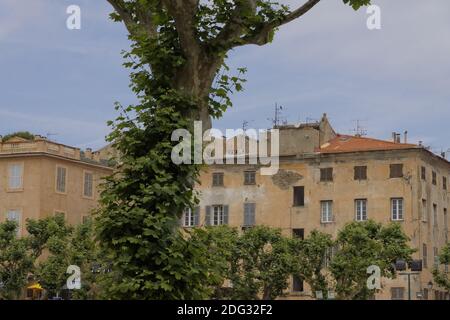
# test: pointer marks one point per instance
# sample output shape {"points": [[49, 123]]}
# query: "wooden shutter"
{"points": [[208, 215], [196, 216], [225, 214]]}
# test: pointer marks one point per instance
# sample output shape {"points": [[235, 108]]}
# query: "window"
{"points": [[15, 215], [326, 174], [361, 209], [396, 170], [360, 173], [61, 177], [249, 177], [188, 218], [15, 176], [397, 293], [326, 211], [217, 179], [424, 210], [397, 209], [88, 189], [328, 255], [249, 214], [445, 225], [423, 173], [444, 183], [297, 284], [216, 215], [435, 215], [298, 233], [424, 255], [436, 257], [434, 178], [299, 196]]}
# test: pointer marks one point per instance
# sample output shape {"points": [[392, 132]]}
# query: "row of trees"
{"points": [[44, 255], [223, 263]]}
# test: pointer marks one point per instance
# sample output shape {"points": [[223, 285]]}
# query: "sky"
{"points": [[63, 83]]}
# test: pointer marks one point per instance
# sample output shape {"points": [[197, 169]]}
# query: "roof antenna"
{"points": [[359, 131], [277, 119]]}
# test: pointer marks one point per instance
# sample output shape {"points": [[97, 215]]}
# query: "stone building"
{"points": [[326, 180], [40, 178]]}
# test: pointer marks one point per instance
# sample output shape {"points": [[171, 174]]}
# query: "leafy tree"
{"points": [[310, 254], [178, 71], [219, 245], [442, 278], [16, 262], [360, 245], [50, 237], [21, 134], [262, 262], [58, 246]]}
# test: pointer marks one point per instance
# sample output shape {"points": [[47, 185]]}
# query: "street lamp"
{"points": [[430, 285]]}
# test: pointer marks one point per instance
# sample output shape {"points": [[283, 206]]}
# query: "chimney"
{"points": [[420, 143], [406, 136], [394, 136], [443, 155], [88, 153]]}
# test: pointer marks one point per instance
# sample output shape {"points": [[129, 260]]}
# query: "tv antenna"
{"points": [[276, 121], [359, 130], [245, 124]]}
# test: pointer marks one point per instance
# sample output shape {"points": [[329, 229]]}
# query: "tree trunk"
{"points": [[195, 79]]}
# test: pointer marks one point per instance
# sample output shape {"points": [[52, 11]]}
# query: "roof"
{"points": [[347, 143]]}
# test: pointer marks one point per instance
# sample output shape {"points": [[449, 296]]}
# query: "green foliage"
{"points": [[361, 244], [15, 261], [261, 264], [441, 277], [60, 246], [21, 134], [310, 254], [178, 72]]}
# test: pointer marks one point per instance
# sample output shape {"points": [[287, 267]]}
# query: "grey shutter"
{"points": [[249, 214], [196, 216], [252, 214], [208, 216], [225, 214]]}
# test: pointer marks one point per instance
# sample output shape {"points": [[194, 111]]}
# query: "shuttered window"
{"points": [[361, 209], [249, 214], [396, 171], [326, 211], [360, 173], [191, 218], [61, 177], [216, 215], [249, 177], [397, 209], [15, 176], [88, 189], [326, 174], [217, 179]]}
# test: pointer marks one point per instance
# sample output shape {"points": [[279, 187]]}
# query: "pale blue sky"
{"points": [[64, 82]]}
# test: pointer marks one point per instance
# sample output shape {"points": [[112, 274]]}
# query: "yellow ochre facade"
{"points": [[332, 180], [41, 178]]}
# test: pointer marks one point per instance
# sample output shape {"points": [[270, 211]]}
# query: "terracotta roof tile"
{"points": [[347, 143]]}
